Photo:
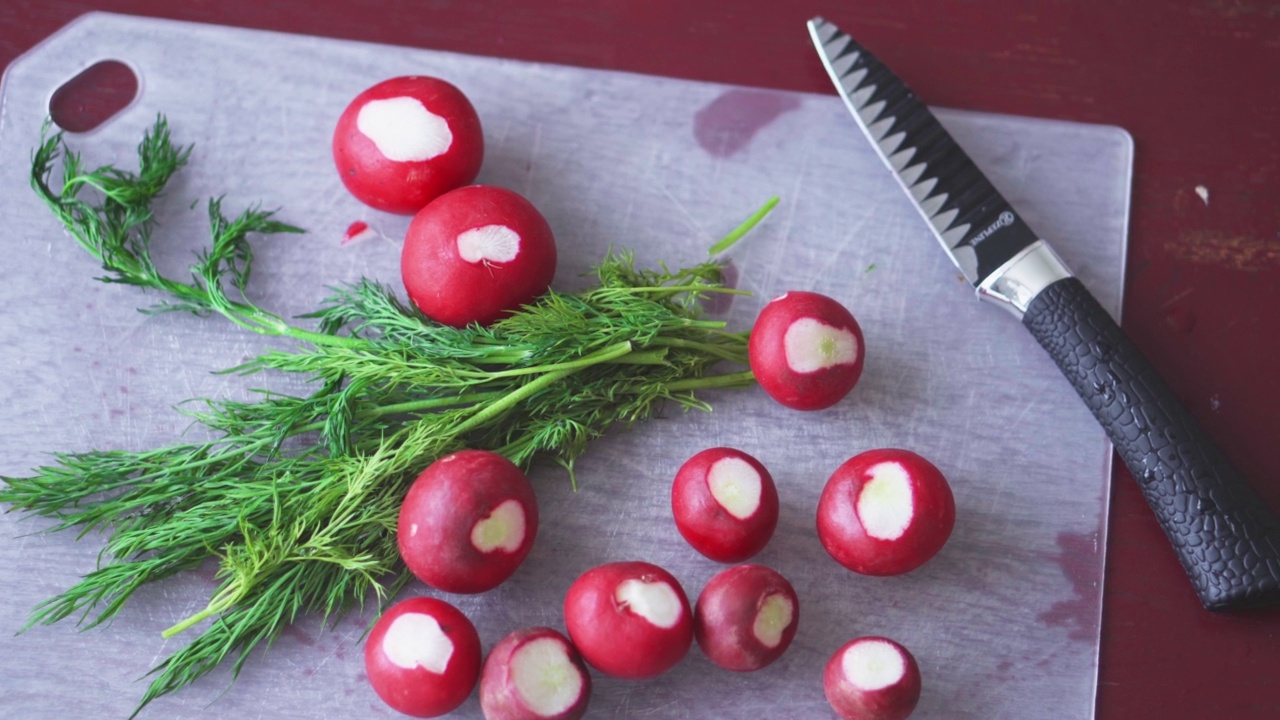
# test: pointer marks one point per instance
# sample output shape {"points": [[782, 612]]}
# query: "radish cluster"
{"points": [[473, 254]]}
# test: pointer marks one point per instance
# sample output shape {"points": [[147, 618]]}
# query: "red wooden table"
{"points": [[1194, 82]]}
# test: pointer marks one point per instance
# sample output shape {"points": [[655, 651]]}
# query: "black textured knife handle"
{"points": [[1225, 536]]}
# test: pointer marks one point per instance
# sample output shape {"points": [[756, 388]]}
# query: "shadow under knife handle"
{"points": [[1226, 538]]}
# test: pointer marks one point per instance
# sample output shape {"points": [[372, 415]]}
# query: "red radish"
{"points": [[467, 522], [406, 141], [885, 512], [423, 657], [629, 619], [725, 504], [806, 350], [872, 678], [534, 674], [474, 254], [746, 617]]}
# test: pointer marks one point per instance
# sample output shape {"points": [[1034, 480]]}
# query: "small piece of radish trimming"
{"points": [[629, 619], [806, 350], [534, 674], [467, 522], [885, 512], [872, 678], [725, 504], [746, 617], [358, 231], [423, 657]]}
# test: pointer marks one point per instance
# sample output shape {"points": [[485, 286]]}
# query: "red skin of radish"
{"points": [[405, 186], [843, 534], [611, 637], [499, 697], [709, 527], [766, 351], [455, 291], [725, 616], [444, 503], [894, 702], [419, 691]]}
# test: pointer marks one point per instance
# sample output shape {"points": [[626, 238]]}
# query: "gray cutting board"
{"points": [[1004, 621]]}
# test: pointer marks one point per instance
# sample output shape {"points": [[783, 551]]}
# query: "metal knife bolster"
{"points": [[1020, 280]]}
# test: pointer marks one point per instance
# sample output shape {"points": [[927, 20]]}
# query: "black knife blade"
{"points": [[1226, 538]]}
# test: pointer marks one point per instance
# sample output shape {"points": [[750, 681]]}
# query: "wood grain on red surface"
{"points": [[1195, 83]]}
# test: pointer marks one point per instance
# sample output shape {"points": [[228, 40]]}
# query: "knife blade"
{"points": [[1225, 537]]}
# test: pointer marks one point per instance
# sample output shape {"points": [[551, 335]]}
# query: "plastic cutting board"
{"points": [[1004, 622]]}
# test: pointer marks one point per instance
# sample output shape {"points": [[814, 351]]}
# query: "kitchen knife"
{"points": [[1225, 537]]}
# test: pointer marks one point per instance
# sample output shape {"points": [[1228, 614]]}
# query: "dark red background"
{"points": [[1196, 83]]}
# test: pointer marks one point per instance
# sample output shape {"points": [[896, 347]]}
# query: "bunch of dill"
{"points": [[297, 496]]}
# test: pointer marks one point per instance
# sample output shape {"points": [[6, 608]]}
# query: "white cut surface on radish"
{"points": [[503, 529], [772, 618], [886, 504], [547, 680], [873, 664], [489, 243], [656, 602], [736, 485], [416, 640], [812, 345], [404, 129]]}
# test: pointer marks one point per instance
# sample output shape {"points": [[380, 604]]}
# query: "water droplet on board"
{"points": [[728, 123]]}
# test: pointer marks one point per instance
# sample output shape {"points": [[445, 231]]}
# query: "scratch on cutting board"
{"points": [[1236, 252], [533, 154], [688, 216], [1177, 297]]}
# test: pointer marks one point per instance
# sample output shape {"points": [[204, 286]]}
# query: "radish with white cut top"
{"points": [[806, 350], [475, 254], [405, 141], [534, 674], [423, 657], [467, 522], [872, 678], [885, 512], [629, 619], [746, 617], [725, 504]]}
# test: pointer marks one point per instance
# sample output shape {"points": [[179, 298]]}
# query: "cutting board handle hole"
{"points": [[94, 96]]}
